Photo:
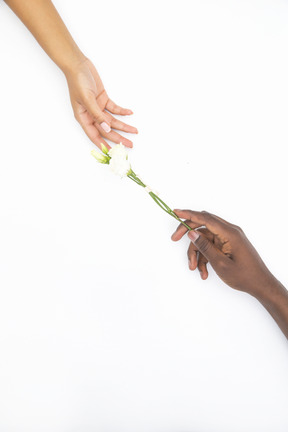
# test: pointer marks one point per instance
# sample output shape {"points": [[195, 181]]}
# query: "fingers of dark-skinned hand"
{"points": [[203, 261], [216, 225], [192, 256], [181, 229], [207, 248], [196, 259], [202, 266], [227, 249]]}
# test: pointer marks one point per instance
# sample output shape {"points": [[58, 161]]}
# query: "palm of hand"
{"points": [[92, 107]]}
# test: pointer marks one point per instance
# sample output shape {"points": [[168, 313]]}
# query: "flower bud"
{"points": [[100, 157], [104, 149]]}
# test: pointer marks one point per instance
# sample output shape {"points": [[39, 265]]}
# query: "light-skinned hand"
{"points": [[93, 108]]}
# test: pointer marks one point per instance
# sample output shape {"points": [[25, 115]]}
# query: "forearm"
{"points": [[275, 300], [46, 25]]}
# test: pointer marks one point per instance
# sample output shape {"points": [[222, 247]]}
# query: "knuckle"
{"points": [[88, 98], [97, 115], [237, 230], [98, 118], [207, 215]]}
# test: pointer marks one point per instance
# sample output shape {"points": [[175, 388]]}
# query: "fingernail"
{"points": [[193, 235], [105, 127]]}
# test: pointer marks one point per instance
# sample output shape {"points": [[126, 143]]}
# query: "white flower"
{"points": [[119, 166], [119, 163], [118, 151], [100, 157]]}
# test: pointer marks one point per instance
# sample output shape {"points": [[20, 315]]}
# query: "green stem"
{"points": [[168, 210], [158, 200], [154, 197], [132, 178]]}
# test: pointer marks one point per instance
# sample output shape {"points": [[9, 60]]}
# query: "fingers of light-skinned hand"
{"points": [[119, 125], [93, 134], [115, 137], [99, 116], [213, 223], [87, 123], [116, 109]]}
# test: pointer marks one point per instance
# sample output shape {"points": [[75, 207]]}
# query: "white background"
{"points": [[102, 325]]}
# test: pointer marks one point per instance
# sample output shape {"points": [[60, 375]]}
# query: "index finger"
{"points": [[181, 229], [214, 224], [116, 109]]}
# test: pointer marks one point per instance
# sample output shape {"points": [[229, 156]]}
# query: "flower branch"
{"points": [[117, 159]]}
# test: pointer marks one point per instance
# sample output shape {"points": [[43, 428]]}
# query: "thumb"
{"points": [[206, 247], [100, 118]]}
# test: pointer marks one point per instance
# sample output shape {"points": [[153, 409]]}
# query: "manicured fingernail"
{"points": [[105, 127], [193, 235]]}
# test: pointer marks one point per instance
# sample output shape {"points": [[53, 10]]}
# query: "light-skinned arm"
{"points": [[92, 107], [234, 259]]}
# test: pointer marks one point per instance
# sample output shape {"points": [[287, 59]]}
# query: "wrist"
{"points": [[272, 294], [72, 62], [275, 301]]}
